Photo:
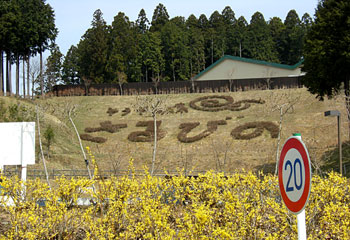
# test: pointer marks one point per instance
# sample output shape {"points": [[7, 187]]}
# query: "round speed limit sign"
{"points": [[294, 174]]}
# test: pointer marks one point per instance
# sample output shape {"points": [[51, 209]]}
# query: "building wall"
{"points": [[231, 69]]}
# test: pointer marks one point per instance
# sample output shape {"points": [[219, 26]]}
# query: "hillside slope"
{"points": [[222, 131], [108, 118]]}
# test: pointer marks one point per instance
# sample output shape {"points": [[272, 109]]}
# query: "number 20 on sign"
{"points": [[294, 174]]}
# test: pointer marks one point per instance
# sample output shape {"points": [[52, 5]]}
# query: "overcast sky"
{"points": [[73, 17]]}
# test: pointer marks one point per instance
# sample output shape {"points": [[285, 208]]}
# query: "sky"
{"points": [[73, 17]]}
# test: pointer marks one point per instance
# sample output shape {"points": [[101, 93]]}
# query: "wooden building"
{"points": [[230, 67]]}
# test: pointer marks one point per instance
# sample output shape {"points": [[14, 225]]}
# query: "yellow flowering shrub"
{"points": [[210, 206]]}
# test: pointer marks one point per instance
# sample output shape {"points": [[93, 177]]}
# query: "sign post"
{"points": [[294, 178], [17, 145]]}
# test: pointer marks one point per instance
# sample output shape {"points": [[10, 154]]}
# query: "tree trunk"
{"points": [[41, 148], [28, 68], [173, 67], [279, 139], [1, 73], [240, 49], [146, 74], [212, 50], [8, 75], [154, 143], [17, 75], [24, 77], [80, 143], [41, 75], [347, 99], [121, 89]]}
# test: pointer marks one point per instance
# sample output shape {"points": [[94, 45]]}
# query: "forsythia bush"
{"points": [[211, 206]]}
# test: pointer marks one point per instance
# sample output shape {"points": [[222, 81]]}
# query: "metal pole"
{"points": [[340, 147], [23, 165], [301, 216], [301, 225]]}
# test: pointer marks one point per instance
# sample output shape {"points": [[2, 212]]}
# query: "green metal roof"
{"points": [[249, 60]]}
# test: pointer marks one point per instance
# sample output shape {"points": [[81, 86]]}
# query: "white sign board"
{"points": [[17, 143]]}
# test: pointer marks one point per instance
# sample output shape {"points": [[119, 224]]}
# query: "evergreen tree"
{"points": [[93, 50], [124, 49], [327, 50], [196, 46], [217, 36], [142, 22], [203, 22], [9, 26], [292, 39], [152, 57], [53, 73], [229, 22], [259, 41], [160, 18], [46, 32], [240, 33], [70, 68], [175, 49], [276, 29]]}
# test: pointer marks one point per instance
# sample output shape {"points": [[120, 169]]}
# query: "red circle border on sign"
{"points": [[299, 205]]}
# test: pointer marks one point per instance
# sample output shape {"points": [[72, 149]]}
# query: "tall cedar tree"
{"points": [[196, 46], [229, 22], [241, 29], [53, 72], [70, 67], [160, 18], [175, 49], [292, 39], [327, 50], [93, 49], [259, 40], [217, 38], [276, 28], [26, 27], [142, 22]]}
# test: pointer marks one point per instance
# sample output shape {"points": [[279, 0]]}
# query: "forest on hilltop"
{"points": [[159, 49], [175, 49]]}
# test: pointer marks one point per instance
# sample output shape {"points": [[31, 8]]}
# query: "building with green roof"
{"points": [[231, 67]]}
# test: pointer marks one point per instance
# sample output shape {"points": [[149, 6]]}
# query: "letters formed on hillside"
{"points": [[206, 103]]}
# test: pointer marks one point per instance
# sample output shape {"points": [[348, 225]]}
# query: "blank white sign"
{"points": [[17, 143]]}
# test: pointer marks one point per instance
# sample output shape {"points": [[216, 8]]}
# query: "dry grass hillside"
{"points": [[219, 150]]}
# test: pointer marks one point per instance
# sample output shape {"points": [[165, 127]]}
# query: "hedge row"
{"points": [[88, 137], [212, 126], [112, 111], [106, 126], [148, 134], [238, 132], [212, 104], [126, 111]]}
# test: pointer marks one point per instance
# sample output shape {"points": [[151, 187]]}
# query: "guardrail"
{"points": [[70, 173]]}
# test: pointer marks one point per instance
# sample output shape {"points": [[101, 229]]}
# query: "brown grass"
{"points": [[318, 132]]}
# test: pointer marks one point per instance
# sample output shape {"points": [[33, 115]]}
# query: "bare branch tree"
{"points": [[87, 82], [151, 106], [40, 144], [71, 111], [221, 150], [230, 80], [156, 81], [34, 73], [282, 104], [122, 78]]}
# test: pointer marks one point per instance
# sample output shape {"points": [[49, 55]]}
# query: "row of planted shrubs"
{"points": [[210, 206]]}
